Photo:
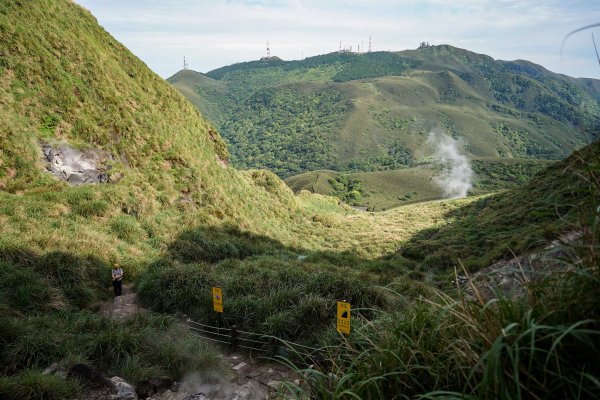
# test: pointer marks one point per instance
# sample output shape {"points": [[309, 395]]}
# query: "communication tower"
{"points": [[185, 64], [268, 50], [369, 43]]}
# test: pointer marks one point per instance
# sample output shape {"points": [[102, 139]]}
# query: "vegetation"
{"points": [[450, 346], [383, 190], [347, 189], [371, 112], [487, 229], [179, 220]]}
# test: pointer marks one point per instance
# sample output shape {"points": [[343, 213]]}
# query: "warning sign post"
{"points": [[343, 317], [217, 296]]}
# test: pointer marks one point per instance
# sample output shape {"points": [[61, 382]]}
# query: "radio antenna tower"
{"points": [[268, 50], [369, 43], [185, 64]]}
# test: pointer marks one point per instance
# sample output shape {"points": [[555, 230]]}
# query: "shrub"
{"points": [[127, 228], [33, 384]]}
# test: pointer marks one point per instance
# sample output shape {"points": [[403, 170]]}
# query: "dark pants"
{"points": [[117, 287]]}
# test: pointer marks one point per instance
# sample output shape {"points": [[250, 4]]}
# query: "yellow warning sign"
{"points": [[343, 317], [217, 299]]}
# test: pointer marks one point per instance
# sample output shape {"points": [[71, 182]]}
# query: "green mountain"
{"points": [[373, 111]]}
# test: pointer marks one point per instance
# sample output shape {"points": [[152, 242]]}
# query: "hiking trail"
{"points": [[241, 377]]}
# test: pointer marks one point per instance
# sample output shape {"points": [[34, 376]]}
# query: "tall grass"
{"points": [[543, 345]]}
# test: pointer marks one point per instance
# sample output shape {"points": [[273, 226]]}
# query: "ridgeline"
{"points": [[372, 111]]}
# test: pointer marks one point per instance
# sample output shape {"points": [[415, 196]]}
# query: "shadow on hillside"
{"points": [[79, 280], [269, 287], [210, 244]]}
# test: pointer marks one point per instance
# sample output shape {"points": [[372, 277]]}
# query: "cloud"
{"points": [[219, 31]]}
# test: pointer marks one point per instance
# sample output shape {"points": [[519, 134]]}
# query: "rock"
{"points": [[197, 396], [75, 179], [273, 384], [88, 376], [153, 386], [75, 166], [239, 366], [51, 369], [121, 389]]}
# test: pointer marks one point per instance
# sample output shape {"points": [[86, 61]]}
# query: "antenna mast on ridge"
{"points": [[185, 64], [268, 50], [369, 43]]}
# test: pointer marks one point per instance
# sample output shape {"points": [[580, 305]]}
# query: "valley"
{"points": [[174, 211]]}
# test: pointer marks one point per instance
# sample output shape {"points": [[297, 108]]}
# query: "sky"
{"points": [[214, 33]]}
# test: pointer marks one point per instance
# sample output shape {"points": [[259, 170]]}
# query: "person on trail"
{"points": [[117, 277]]}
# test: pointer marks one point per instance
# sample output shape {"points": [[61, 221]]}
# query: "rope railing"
{"points": [[269, 344]]}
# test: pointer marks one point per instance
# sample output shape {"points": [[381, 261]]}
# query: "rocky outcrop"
{"points": [[121, 389], [511, 277], [77, 167]]}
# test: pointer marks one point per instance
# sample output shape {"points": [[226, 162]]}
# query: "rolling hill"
{"points": [[382, 190], [373, 111]]}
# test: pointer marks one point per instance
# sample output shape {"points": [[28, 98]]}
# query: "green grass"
{"points": [[32, 384], [383, 190], [516, 220]]}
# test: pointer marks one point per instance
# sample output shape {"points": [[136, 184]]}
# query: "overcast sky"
{"points": [[214, 33]]}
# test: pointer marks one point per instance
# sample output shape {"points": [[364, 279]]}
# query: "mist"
{"points": [[456, 174]]}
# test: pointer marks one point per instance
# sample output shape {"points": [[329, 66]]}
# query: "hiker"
{"points": [[117, 277]]}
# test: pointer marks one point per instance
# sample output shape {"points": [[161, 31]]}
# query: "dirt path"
{"points": [[122, 307], [241, 378]]}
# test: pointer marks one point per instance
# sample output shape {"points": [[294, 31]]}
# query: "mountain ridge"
{"points": [[374, 105]]}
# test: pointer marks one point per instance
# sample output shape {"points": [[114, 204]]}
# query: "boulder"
{"points": [[153, 386], [75, 166], [88, 376], [121, 389]]}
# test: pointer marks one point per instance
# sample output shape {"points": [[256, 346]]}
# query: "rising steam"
{"points": [[456, 173]]}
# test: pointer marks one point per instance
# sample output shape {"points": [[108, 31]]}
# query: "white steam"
{"points": [[456, 175]]}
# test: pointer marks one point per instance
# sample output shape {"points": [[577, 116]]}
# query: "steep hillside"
{"points": [[67, 87], [561, 197], [373, 111]]}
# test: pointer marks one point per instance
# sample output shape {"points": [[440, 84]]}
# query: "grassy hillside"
{"points": [[383, 190], [180, 220], [516, 220], [173, 208], [373, 111]]}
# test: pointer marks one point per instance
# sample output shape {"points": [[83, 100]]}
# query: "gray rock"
{"points": [[121, 389], [197, 396], [77, 167], [51, 369]]}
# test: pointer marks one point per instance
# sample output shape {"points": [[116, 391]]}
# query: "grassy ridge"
{"points": [[64, 79], [515, 220]]}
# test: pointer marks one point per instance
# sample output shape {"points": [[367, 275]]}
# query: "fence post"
{"points": [[234, 335], [272, 347]]}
